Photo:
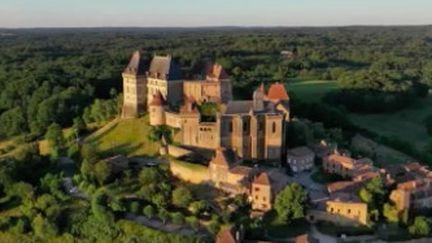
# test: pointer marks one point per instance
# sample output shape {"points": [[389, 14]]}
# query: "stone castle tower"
{"points": [[134, 87], [164, 77]]}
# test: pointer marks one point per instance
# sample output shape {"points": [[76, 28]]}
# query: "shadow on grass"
{"points": [[102, 134], [124, 148]]}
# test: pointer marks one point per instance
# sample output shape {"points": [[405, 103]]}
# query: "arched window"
{"points": [[230, 126], [274, 127]]}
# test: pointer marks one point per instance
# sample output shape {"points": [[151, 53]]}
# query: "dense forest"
{"points": [[53, 75], [68, 78]]}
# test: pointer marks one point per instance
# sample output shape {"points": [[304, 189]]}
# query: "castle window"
{"points": [[245, 126], [230, 126], [349, 211], [274, 127]]}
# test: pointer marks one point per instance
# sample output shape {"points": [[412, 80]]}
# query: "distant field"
{"points": [[310, 90], [406, 124], [127, 137]]}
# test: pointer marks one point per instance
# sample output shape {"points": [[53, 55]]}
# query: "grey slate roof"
{"points": [[239, 107], [164, 67], [136, 65]]}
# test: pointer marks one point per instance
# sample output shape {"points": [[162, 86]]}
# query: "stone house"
{"points": [[300, 159]]}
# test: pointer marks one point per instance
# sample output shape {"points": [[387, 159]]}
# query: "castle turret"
{"points": [[157, 110], [258, 98], [134, 87]]}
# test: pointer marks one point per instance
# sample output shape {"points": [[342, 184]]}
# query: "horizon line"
{"points": [[218, 26]]}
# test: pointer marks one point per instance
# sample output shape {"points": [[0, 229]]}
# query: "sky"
{"points": [[195, 13]]}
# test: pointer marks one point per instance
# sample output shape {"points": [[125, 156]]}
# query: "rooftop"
{"points": [[164, 67], [216, 71], [262, 179], [136, 65], [277, 91], [300, 151]]}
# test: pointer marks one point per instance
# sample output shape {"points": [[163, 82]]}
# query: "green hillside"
{"points": [[125, 136]]}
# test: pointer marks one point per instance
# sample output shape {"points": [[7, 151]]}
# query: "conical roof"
{"points": [[277, 91]]}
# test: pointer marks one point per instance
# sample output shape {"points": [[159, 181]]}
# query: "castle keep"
{"points": [[253, 129]]}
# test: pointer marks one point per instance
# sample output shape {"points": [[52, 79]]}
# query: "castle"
{"points": [[254, 129]]}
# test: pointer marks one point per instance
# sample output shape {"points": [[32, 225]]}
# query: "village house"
{"points": [[261, 187], [300, 159], [341, 209], [415, 194]]}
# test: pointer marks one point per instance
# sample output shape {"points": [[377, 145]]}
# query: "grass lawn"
{"points": [[406, 124], [310, 91], [128, 136]]}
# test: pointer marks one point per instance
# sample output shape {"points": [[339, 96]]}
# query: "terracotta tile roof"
{"points": [[413, 166], [158, 99], [262, 179], [216, 71], [343, 186], [136, 65], [226, 236], [343, 160], [277, 91], [306, 238], [241, 170], [164, 67]]}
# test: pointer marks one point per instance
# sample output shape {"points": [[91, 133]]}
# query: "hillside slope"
{"points": [[124, 136]]}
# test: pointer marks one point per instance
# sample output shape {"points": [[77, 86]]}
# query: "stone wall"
{"points": [[177, 152], [189, 172]]}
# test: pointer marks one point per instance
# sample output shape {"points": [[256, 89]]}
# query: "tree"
{"points": [[197, 207], [102, 171], [149, 211], [164, 215], [181, 197], [149, 176], [135, 207], [86, 169], [55, 137], [391, 213], [373, 193], [157, 132], [43, 228], [78, 126], [177, 218], [290, 202], [193, 222], [428, 124], [13, 122], [89, 153], [420, 227]]}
